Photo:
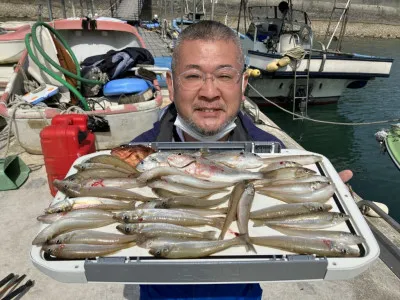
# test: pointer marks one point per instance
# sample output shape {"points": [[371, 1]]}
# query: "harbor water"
{"points": [[376, 177]]}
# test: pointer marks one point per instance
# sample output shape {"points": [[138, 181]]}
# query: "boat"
{"points": [[279, 43], [85, 39], [12, 43], [390, 141]]}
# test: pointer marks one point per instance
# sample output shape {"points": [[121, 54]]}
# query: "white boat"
{"points": [[84, 42], [316, 76], [12, 43]]}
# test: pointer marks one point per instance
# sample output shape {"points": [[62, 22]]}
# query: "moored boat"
{"points": [[12, 43], [85, 39], [280, 43]]}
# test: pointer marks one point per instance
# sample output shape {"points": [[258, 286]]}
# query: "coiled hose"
{"points": [[76, 76]]}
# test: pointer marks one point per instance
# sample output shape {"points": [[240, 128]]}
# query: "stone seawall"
{"points": [[367, 18]]}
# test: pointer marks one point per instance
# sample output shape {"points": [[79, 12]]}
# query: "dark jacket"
{"points": [[164, 130]]}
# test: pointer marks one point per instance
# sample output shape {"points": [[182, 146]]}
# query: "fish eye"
{"points": [[179, 153], [127, 229], [58, 242], [125, 218], [48, 251], [344, 251], [158, 253]]}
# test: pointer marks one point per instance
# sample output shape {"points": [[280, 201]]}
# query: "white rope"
{"points": [[321, 121]]}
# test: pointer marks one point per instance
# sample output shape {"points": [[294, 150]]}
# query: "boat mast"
{"points": [[212, 9]]}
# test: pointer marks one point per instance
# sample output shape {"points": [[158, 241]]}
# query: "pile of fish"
{"points": [[211, 191]]}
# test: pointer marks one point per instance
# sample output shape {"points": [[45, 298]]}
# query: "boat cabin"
{"points": [[274, 30]]}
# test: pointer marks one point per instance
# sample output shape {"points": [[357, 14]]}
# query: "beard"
{"points": [[204, 132]]}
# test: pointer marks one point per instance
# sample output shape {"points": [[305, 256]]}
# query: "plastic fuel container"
{"points": [[66, 139]]}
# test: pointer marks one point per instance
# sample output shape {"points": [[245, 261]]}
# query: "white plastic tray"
{"points": [[234, 265]]}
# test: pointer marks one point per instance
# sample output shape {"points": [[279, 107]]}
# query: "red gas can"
{"points": [[66, 139]]}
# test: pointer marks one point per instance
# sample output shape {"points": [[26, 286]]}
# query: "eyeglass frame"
{"points": [[205, 77]]}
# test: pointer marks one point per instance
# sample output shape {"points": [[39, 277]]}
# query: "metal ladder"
{"points": [[342, 20], [301, 95]]}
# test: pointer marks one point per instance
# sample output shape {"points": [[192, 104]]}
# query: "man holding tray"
{"points": [[206, 88]]}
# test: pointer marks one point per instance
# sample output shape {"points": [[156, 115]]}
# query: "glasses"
{"points": [[194, 79]]}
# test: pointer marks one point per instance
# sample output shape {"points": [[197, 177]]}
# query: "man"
{"points": [[206, 87]]}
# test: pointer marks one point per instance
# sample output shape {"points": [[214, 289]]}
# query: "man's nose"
{"points": [[209, 89]]}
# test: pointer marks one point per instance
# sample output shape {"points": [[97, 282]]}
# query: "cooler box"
{"points": [[65, 140], [234, 265]]}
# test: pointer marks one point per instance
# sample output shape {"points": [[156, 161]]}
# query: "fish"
{"points": [[73, 190], [206, 169], [236, 159], [80, 214], [288, 173], [292, 209], [237, 192], [180, 189], [195, 182], [151, 230], [123, 183], [98, 173], [296, 188], [306, 221], [337, 236], [79, 203], [149, 242], [154, 160], [111, 160], [307, 159], [195, 249], [280, 165], [92, 237], [68, 224], [312, 178], [243, 214], [206, 212], [163, 194], [158, 172], [166, 216], [81, 251], [321, 194], [302, 245], [184, 201], [95, 166], [132, 154]]}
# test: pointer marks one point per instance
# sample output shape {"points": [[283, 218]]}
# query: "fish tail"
{"points": [[209, 235], [258, 223], [219, 223], [249, 246], [132, 203]]}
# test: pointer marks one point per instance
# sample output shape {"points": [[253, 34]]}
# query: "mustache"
{"points": [[208, 106]]}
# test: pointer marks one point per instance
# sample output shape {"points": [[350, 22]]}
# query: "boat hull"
{"points": [[328, 77], [126, 121]]}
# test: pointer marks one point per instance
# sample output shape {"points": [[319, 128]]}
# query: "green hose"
{"points": [[57, 66]]}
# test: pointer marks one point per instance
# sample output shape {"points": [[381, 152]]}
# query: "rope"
{"points": [[321, 121]]}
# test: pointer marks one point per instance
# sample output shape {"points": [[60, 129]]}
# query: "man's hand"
{"points": [[346, 175]]}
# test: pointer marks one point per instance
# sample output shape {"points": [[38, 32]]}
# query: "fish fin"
{"points": [[258, 223], [210, 235], [132, 203], [219, 223], [249, 246]]}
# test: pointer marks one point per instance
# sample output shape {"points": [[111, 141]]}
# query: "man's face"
{"points": [[212, 106]]}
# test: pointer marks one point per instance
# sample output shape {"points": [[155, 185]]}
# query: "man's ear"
{"points": [[245, 81], [170, 84]]}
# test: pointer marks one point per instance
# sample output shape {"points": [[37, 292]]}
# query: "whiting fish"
{"points": [[80, 214], [111, 160], [306, 221], [195, 249], [292, 209], [151, 230], [243, 214], [302, 245], [92, 237], [81, 251]]}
